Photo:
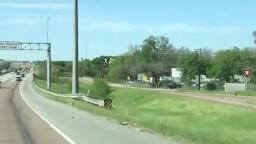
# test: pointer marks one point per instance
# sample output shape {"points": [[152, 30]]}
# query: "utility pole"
{"points": [[86, 50], [254, 35], [47, 29], [199, 52], [49, 69], [154, 61], [75, 61]]}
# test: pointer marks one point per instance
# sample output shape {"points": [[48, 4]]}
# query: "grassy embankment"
{"points": [[185, 120], [250, 92]]}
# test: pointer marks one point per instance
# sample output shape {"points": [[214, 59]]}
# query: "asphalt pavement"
{"points": [[81, 127], [18, 123]]}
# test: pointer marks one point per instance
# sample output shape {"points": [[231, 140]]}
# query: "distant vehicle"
{"points": [[173, 85], [130, 82], [18, 78], [169, 84], [22, 75], [202, 85], [3, 71]]}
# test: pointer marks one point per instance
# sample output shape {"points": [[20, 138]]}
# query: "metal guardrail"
{"points": [[5, 72], [80, 96], [94, 101]]}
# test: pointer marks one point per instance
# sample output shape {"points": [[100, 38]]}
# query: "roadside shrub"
{"points": [[100, 89], [211, 86]]}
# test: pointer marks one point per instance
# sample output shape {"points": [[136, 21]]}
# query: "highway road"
{"points": [[18, 123], [81, 127]]}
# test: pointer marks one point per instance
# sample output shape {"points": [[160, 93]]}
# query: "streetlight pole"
{"points": [[75, 60], [199, 67], [48, 56], [47, 30], [49, 69]]}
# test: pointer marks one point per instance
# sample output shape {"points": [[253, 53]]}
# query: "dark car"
{"points": [[173, 85], [22, 75], [169, 84], [18, 78]]}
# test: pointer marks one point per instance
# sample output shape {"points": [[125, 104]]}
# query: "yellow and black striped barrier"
{"points": [[108, 103]]}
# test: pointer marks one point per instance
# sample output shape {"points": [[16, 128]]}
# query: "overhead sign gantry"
{"points": [[16, 45]]}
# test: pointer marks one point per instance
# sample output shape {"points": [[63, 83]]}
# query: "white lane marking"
{"points": [[43, 118]]}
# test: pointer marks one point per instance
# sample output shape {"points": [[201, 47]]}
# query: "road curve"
{"points": [[83, 127], [18, 123]]}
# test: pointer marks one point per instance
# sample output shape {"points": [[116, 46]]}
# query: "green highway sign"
{"points": [[9, 45]]}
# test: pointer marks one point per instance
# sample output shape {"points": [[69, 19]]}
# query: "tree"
{"points": [[156, 49], [193, 63], [100, 89], [188, 62], [98, 68], [159, 56], [4, 65], [86, 68], [227, 63], [254, 35]]}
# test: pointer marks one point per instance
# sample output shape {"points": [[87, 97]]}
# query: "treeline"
{"points": [[156, 56], [4, 65]]}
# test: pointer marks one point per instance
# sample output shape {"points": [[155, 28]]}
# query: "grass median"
{"points": [[184, 119]]}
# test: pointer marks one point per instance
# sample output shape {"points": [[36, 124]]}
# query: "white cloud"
{"points": [[119, 26], [37, 5]]}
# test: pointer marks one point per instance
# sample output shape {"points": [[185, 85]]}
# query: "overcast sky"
{"points": [[107, 27]]}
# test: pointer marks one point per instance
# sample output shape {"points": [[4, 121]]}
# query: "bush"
{"points": [[100, 89], [211, 86]]}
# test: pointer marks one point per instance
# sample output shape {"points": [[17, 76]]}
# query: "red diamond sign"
{"points": [[246, 72]]}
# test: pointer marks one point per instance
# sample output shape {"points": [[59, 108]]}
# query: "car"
{"points": [[130, 82], [18, 78], [22, 75], [169, 84], [202, 85], [173, 85]]}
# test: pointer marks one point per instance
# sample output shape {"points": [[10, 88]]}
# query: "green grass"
{"points": [[184, 119], [248, 93], [63, 87], [203, 90]]}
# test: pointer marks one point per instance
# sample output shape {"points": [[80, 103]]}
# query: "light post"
{"points": [[48, 56], [75, 60], [47, 29], [199, 52]]}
